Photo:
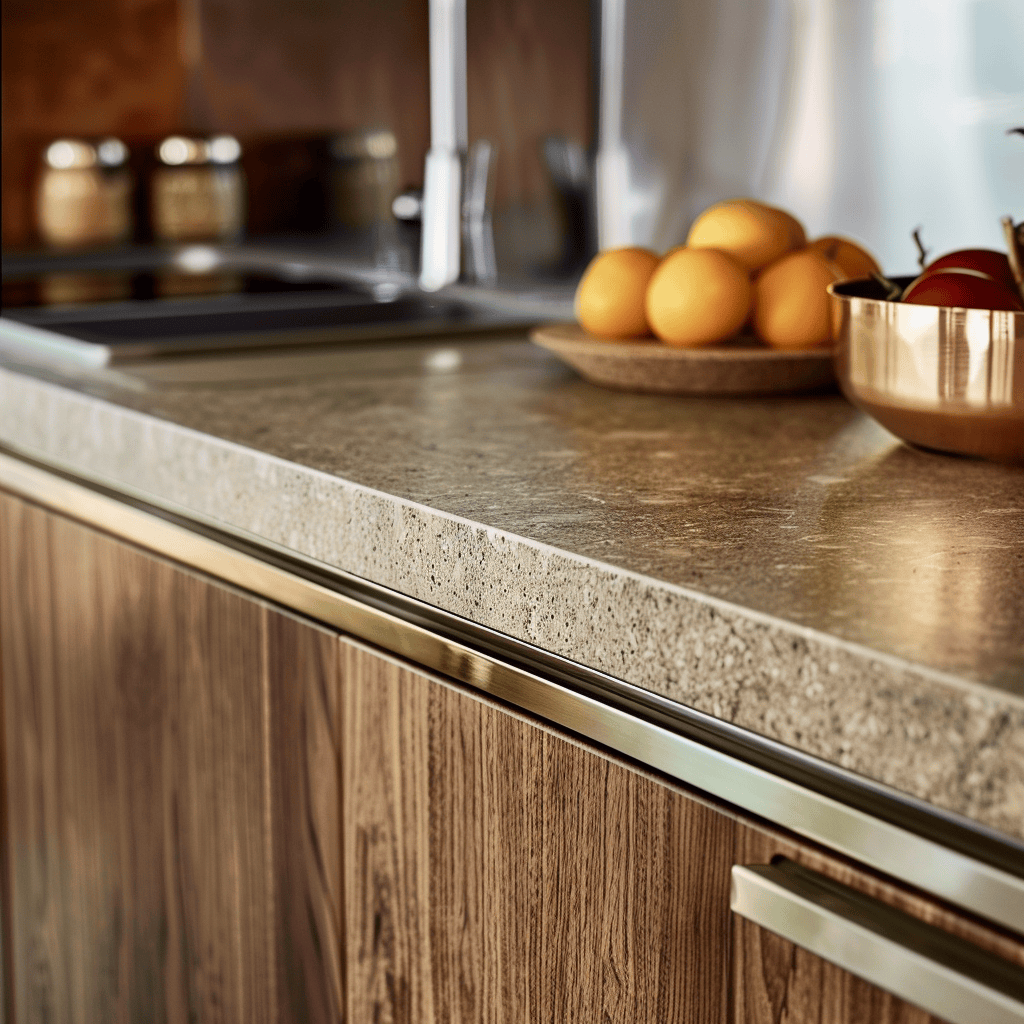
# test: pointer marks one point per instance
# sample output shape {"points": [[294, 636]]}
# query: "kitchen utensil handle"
{"points": [[918, 962]]}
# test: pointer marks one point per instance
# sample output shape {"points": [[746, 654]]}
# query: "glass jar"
{"points": [[197, 190], [364, 177], [84, 196]]}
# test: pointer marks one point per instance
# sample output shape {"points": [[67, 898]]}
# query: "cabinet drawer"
{"points": [[498, 869], [801, 916], [171, 826]]}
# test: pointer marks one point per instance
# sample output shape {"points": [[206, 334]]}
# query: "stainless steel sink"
{"points": [[143, 304]]}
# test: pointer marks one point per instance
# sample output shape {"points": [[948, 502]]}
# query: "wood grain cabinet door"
{"points": [[172, 779], [496, 871]]}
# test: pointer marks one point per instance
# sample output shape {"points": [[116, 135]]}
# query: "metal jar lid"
{"points": [[180, 151], [77, 154], [367, 144]]}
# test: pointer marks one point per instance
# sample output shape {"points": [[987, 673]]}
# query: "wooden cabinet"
{"points": [[217, 811], [496, 870], [172, 784]]}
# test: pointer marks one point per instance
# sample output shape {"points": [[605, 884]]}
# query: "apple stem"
{"points": [[922, 252], [892, 290], [1015, 252]]}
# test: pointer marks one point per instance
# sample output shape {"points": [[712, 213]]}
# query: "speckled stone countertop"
{"points": [[784, 564]]}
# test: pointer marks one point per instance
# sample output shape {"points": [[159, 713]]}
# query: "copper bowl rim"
{"points": [[869, 290]]}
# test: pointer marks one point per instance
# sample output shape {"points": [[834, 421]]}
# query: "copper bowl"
{"points": [[939, 377]]}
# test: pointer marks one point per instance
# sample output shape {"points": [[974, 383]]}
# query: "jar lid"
{"points": [[367, 144], [177, 150], [66, 154]]}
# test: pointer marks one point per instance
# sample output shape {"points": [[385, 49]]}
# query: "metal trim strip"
{"points": [[916, 961], [939, 852]]}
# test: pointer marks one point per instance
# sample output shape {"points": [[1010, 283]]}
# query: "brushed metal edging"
{"points": [[645, 733], [918, 962]]}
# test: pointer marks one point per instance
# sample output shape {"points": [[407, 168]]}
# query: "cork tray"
{"points": [[741, 366]]}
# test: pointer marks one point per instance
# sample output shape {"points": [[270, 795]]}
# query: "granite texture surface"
{"points": [[784, 564]]}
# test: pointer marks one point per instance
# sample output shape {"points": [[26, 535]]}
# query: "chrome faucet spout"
{"points": [[443, 174]]}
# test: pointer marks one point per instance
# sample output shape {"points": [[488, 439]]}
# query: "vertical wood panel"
{"points": [[497, 872], [217, 813], [306, 801], [173, 789], [384, 810], [6, 953]]}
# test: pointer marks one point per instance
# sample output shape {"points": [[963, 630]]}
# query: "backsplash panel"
{"points": [[143, 68]]}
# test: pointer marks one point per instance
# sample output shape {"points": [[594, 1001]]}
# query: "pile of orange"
{"points": [[744, 264]]}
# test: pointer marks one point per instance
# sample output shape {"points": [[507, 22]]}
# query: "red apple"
{"points": [[987, 261], [965, 289]]}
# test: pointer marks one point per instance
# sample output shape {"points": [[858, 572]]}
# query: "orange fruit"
{"points": [[751, 232], [853, 260], [792, 310], [698, 297], [797, 234], [610, 295]]}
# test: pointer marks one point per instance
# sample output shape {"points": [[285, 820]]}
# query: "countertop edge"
{"points": [[943, 739]]}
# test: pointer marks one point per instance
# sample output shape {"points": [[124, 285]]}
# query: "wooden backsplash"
{"points": [[91, 67], [140, 69]]}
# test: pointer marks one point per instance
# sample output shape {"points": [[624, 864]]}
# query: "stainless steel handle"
{"points": [[918, 962]]}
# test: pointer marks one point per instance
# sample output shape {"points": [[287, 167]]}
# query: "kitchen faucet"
{"points": [[455, 185]]}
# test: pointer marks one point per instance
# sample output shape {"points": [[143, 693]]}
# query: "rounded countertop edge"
{"points": [[937, 737]]}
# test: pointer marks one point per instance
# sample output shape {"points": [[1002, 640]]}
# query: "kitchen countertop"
{"points": [[784, 564]]}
